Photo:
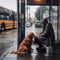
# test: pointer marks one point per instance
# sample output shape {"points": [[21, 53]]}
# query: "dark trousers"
{"points": [[41, 41], [38, 41]]}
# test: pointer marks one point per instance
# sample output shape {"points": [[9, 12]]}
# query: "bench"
{"points": [[56, 48]]}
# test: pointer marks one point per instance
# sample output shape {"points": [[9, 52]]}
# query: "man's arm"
{"points": [[46, 32]]}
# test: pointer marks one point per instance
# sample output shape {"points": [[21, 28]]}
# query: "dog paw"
{"points": [[13, 52]]}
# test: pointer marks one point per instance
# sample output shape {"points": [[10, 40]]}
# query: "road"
{"points": [[36, 31], [6, 40]]}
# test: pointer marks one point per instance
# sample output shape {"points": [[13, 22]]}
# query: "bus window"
{"points": [[7, 17], [0, 16]]}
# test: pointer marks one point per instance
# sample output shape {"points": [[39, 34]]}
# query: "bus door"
{"points": [[31, 13]]}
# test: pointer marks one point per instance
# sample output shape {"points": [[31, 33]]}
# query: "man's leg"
{"points": [[41, 47], [38, 41]]}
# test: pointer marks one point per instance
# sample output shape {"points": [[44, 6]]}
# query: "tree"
{"points": [[39, 12]]}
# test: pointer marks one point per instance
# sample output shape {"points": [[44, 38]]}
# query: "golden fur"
{"points": [[25, 44]]}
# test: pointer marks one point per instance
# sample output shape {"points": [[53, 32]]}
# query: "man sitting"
{"points": [[48, 33]]}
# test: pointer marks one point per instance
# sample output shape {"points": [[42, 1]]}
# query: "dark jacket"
{"points": [[49, 32]]}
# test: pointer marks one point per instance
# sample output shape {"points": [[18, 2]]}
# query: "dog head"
{"points": [[30, 35]]}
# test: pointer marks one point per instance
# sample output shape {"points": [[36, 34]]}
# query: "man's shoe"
{"points": [[41, 50]]}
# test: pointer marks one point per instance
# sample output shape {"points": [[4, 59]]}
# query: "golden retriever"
{"points": [[25, 45]]}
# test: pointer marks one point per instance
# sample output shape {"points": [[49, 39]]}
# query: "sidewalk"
{"points": [[7, 41], [3, 48], [9, 56]]}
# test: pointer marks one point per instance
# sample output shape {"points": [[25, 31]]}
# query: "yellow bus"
{"points": [[7, 19]]}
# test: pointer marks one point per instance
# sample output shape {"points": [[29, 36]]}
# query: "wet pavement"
{"points": [[7, 39], [9, 56]]}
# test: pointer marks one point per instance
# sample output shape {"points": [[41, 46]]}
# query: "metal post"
{"points": [[22, 19], [18, 21]]}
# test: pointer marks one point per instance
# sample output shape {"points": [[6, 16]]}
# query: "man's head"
{"points": [[45, 21]]}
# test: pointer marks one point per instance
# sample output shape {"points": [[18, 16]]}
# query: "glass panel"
{"points": [[35, 15], [59, 25], [54, 15], [32, 20]]}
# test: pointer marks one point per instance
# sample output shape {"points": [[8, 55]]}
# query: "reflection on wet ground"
{"points": [[6, 40], [27, 56], [32, 56]]}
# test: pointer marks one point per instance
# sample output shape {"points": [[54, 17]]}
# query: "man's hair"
{"points": [[45, 21]]}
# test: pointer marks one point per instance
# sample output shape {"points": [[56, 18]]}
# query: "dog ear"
{"points": [[30, 35]]}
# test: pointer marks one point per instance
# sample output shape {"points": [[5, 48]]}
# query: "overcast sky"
{"points": [[10, 4]]}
